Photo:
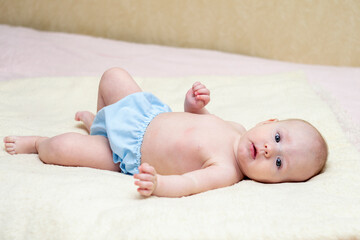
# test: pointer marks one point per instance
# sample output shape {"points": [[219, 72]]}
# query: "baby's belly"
{"points": [[171, 144]]}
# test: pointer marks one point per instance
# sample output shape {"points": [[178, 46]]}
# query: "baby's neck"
{"points": [[236, 151]]}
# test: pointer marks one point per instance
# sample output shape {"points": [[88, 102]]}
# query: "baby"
{"points": [[174, 154]]}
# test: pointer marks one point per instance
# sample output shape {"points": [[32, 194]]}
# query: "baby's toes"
{"points": [[9, 139], [10, 147], [78, 116], [11, 152]]}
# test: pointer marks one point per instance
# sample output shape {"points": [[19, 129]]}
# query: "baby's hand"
{"points": [[147, 179], [197, 97]]}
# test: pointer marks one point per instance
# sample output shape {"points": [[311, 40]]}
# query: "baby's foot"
{"points": [[86, 117], [16, 144]]}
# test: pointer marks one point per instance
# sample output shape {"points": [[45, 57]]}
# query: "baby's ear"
{"points": [[267, 121]]}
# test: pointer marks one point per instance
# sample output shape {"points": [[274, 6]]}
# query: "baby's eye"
{"points": [[278, 162], [277, 137]]}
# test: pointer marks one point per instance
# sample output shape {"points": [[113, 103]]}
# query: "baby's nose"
{"points": [[268, 150]]}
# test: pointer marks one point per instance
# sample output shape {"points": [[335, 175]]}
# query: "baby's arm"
{"points": [[190, 183], [196, 99]]}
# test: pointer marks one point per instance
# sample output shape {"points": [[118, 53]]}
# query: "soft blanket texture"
{"points": [[39, 201]]}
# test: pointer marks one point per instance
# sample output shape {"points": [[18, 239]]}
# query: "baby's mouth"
{"points": [[253, 151]]}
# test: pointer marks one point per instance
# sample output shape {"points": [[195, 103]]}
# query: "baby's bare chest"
{"points": [[179, 143]]}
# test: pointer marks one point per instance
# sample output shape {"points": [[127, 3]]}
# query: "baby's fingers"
{"points": [[202, 91], [197, 86], [144, 192], [144, 177], [204, 98], [146, 168], [147, 179], [145, 185]]}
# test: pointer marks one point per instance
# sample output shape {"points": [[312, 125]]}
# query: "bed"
{"points": [[45, 77]]}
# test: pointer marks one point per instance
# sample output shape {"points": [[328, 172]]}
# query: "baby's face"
{"points": [[278, 151]]}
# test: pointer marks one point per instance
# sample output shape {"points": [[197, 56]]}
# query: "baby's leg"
{"points": [[115, 84], [69, 149]]}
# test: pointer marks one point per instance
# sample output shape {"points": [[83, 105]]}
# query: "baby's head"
{"points": [[282, 151]]}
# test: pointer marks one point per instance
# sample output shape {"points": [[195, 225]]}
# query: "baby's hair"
{"points": [[322, 154]]}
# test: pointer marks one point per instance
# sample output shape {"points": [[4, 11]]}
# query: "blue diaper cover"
{"points": [[124, 124]]}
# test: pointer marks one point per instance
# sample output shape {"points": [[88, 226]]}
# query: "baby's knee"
{"points": [[55, 149], [115, 78], [114, 73]]}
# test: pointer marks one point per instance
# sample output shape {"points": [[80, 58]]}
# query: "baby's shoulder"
{"points": [[237, 126]]}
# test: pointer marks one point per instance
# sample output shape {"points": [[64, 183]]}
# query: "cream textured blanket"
{"points": [[39, 201]]}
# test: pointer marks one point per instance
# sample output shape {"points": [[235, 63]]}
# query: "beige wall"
{"points": [[305, 31]]}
